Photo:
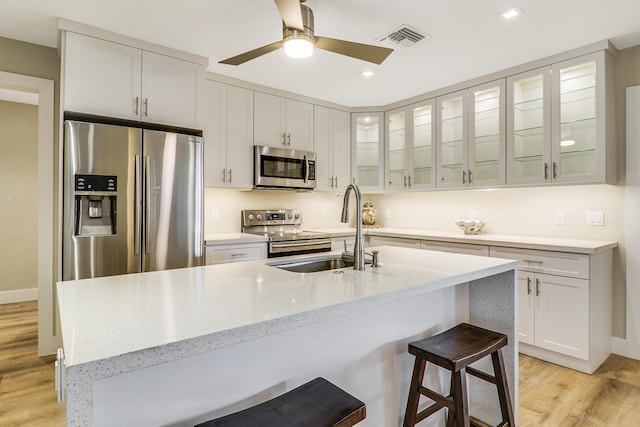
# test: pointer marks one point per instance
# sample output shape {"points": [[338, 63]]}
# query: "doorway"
{"points": [[41, 93]]}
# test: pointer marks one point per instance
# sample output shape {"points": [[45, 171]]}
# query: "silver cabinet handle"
{"points": [[555, 170], [146, 107], [405, 180], [528, 285], [238, 254], [224, 175], [284, 139], [136, 103], [546, 171], [409, 180], [230, 176], [336, 182], [331, 182], [470, 176], [537, 287], [289, 138], [464, 177]]}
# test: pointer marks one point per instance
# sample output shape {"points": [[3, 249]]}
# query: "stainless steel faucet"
{"points": [[358, 249]]}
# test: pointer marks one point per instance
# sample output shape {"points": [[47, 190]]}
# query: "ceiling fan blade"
{"points": [[366, 52], [291, 13], [252, 54]]}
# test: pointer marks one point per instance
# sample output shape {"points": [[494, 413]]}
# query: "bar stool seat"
{"points": [[454, 350], [317, 403]]}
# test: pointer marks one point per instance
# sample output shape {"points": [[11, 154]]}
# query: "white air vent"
{"points": [[402, 37]]}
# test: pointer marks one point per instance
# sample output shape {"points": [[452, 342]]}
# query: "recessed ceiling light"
{"points": [[511, 12], [366, 73]]}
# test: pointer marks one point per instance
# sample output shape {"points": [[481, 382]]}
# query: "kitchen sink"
{"points": [[313, 265]]}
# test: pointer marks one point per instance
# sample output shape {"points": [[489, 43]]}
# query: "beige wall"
{"points": [[18, 195]]}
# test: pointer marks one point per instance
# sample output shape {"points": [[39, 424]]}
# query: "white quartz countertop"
{"points": [[232, 238], [547, 243], [139, 320]]}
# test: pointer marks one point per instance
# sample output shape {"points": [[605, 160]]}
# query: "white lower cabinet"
{"points": [[220, 254], [564, 307]]}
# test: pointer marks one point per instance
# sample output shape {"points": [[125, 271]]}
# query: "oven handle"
{"points": [[317, 242]]}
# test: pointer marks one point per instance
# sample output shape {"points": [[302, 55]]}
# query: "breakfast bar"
{"points": [[179, 347]]}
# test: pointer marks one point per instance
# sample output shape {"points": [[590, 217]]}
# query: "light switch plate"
{"points": [[559, 218], [215, 215], [595, 218]]}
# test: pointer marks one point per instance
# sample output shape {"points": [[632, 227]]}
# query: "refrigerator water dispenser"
{"points": [[95, 205]]}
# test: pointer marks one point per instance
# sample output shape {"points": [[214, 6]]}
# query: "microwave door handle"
{"points": [[306, 169]]}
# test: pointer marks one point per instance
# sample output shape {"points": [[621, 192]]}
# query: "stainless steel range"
{"points": [[283, 228]]}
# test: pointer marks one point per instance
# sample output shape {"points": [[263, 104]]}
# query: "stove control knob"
{"points": [[251, 217], [289, 215], [297, 216], [259, 217]]}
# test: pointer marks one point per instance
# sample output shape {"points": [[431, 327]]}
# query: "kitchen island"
{"points": [[181, 346]]}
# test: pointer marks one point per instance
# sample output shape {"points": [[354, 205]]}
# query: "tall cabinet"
{"points": [[560, 127], [410, 148], [332, 145], [470, 137], [228, 135]]}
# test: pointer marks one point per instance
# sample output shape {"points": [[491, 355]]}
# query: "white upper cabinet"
{"points": [[410, 148], [332, 145], [560, 126], [114, 80], [367, 155], [282, 122], [471, 137], [228, 135]]}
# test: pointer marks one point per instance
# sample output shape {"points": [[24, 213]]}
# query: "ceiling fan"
{"points": [[298, 39]]}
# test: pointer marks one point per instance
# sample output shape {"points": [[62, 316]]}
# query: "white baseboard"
{"points": [[619, 346], [21, 295]]}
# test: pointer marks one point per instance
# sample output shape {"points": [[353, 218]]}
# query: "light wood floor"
{"points": [[550, 395]]}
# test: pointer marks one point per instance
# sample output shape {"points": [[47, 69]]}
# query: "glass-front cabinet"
{"points": [[367, 135], [470, 137], [410, 148], [559, 124]]}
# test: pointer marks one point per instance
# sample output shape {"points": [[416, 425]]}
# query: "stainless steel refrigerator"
{"points": [[132, 200]]}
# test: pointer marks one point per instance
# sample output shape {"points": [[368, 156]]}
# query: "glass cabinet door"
{"points": [[396, 151], [528, 127], [452, 132], [575, 136], [487, 135], [423, 146], [367, 131]]}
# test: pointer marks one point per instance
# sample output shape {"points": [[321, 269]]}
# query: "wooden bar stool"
{"points": [[317, 403], [455, 350]]}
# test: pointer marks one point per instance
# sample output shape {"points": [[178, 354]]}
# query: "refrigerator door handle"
{"points": [[147, 202], [137, 205]]}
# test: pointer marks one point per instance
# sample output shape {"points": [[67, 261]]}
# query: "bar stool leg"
{"points": [[461, 398], [503, 388], [414, 393], [451, 418]]}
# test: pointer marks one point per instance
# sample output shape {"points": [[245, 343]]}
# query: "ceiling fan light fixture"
{"points": [[298, 45]]}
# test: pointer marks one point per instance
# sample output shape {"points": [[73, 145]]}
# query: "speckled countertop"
{"points": [[121, 323]]}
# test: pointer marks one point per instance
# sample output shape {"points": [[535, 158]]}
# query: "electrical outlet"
{"points": [[215, 215], [559, 218], [595, 218], [323, 213], [387, 213], [472, 214]]}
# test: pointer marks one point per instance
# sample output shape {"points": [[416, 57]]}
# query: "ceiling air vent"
{"points": [[402, 37]]}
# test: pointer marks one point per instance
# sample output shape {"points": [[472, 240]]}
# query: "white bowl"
{"points": [[471, 226]]}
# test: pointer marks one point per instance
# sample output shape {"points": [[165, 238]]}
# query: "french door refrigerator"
{"points": [[132, 200]]}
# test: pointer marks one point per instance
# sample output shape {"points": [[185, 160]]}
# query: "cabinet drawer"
{"points": [[556, 263], [394, 241], [234, 253], [457, 248]]}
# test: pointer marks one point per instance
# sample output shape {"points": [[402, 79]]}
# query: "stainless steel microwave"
{"points": [[283, 168]]}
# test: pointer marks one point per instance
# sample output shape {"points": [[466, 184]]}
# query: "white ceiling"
{"points": [[468, 37]]}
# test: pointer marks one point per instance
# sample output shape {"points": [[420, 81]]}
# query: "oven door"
{"points": [[284, 168], [298, 247]]}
